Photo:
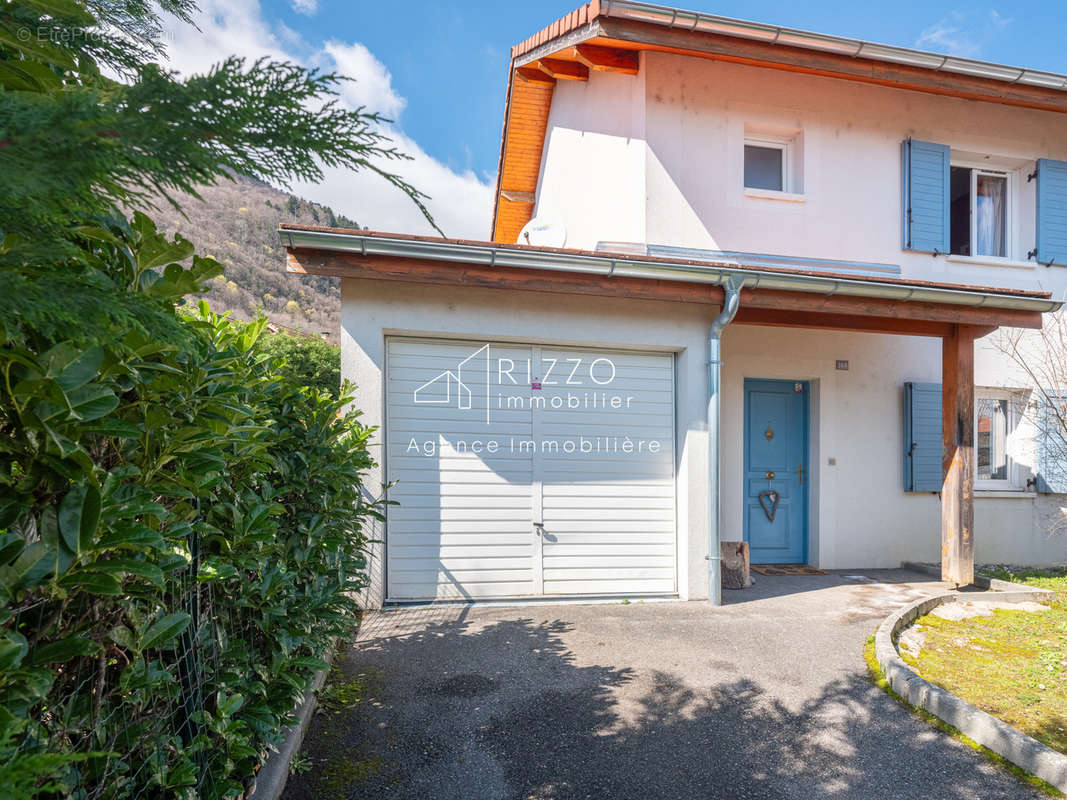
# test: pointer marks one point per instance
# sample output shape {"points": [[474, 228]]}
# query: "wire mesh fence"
{"points": [[170, 582], [92, 711], [118, 741]]}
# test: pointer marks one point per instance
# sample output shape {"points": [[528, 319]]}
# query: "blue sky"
{"points": [[439, 69], [450, 59]]}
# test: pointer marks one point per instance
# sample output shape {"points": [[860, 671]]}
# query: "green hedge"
{"points": [[306, 360], [182, 530]]}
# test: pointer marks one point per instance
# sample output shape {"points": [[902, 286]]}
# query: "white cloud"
{"points": [[225, 28], [947, 36], [998, 20], [290, 37], [962, 34], [460, 201], [308, 7], [371, 84]]}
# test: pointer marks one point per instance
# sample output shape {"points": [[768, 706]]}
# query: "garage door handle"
{"points": [[539, 527]]}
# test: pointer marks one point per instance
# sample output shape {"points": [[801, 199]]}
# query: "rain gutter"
{"points": [[718, 273], [793, 37]]}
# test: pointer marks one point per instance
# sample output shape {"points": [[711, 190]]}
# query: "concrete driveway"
{"points": [[766, 697]]}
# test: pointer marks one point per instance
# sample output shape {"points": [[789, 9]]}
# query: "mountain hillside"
{"points": [[237, 223]]}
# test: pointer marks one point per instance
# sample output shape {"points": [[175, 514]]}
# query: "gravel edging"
{"points": [[985, 729]]}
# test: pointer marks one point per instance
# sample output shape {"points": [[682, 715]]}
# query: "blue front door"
{"points": [[776, 471]]}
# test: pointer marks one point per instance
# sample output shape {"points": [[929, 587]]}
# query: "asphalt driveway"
{"points": [[764, 698]]}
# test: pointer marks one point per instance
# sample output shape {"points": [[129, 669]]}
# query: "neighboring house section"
{"points": [[751, 270]]}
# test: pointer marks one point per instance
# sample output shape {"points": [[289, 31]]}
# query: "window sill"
{"points": [[1003, 494], [987, 261], [771, 194]]}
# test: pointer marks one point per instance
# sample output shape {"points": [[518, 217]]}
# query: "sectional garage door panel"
{"points": [[584, 445], [609, 513], [461, 526]]}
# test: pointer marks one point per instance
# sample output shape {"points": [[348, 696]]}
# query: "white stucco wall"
{"points": [[860, 514], [658, 158], [593, 163], [688, 118]]}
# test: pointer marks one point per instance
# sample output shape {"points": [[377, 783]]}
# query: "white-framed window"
{"points": [[769, 163], [996, 418], [981, 212]]}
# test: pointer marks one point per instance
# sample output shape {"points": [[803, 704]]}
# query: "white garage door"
{"points": [[525, 471]]}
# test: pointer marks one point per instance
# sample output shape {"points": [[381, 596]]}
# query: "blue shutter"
{"points": [[922, 437], [1051, 211], [926, 183], [1051, 448]]}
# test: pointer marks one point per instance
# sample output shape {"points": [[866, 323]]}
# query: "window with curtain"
{"points": [[978, 213], [991, 216]]}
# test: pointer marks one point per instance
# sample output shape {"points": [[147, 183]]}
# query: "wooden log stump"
{"points": [[735, 574]]}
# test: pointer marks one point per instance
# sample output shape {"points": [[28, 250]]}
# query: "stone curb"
{"points": [[271, 778], [985, 729], [981, 581]]}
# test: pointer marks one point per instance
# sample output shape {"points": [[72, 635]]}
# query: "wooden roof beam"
{"points": [[607, 59], [644, 36], [516, 196], [535, 75], [563, 70], [759, 306]]}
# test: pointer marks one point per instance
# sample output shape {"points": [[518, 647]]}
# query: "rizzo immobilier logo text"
{"points": [[484, 383]]}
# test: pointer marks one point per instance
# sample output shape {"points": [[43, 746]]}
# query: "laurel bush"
{"points": [[182, 532]]}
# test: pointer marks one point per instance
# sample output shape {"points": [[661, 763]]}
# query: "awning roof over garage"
{"points": [[772, 295], [769, 295]]}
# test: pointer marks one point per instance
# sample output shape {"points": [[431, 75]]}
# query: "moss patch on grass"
{"points": [[1012, 665], [878, 678]]}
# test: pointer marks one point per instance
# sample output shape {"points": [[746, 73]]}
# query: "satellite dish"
{"points": [[543, 231]]}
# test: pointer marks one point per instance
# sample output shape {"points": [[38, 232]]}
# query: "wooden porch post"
{"points": [[957, 458]]}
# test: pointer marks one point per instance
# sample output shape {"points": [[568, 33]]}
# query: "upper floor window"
{"points": [[767, 163], [979, 214]]}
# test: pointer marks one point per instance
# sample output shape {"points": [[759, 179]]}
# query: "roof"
{"points": [[505, 255], [795, 37], [606, 35]]}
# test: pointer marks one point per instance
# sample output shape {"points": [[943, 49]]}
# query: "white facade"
{"points": [[860, 515], [671, 141], [658, 159]]}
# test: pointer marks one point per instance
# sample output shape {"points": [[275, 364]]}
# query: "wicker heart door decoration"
{"points": [[768, 500]]}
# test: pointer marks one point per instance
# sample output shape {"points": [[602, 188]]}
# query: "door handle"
{"points": [[770, 476], [800, 475], [539, 527]]}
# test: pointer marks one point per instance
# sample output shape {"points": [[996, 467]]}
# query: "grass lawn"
{"points": [[1012, 665]]}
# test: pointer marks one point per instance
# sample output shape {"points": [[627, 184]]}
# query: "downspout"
{"points": [[730, 303]]}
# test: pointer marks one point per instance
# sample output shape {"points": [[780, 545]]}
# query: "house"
{"points": [[732, 291]]}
